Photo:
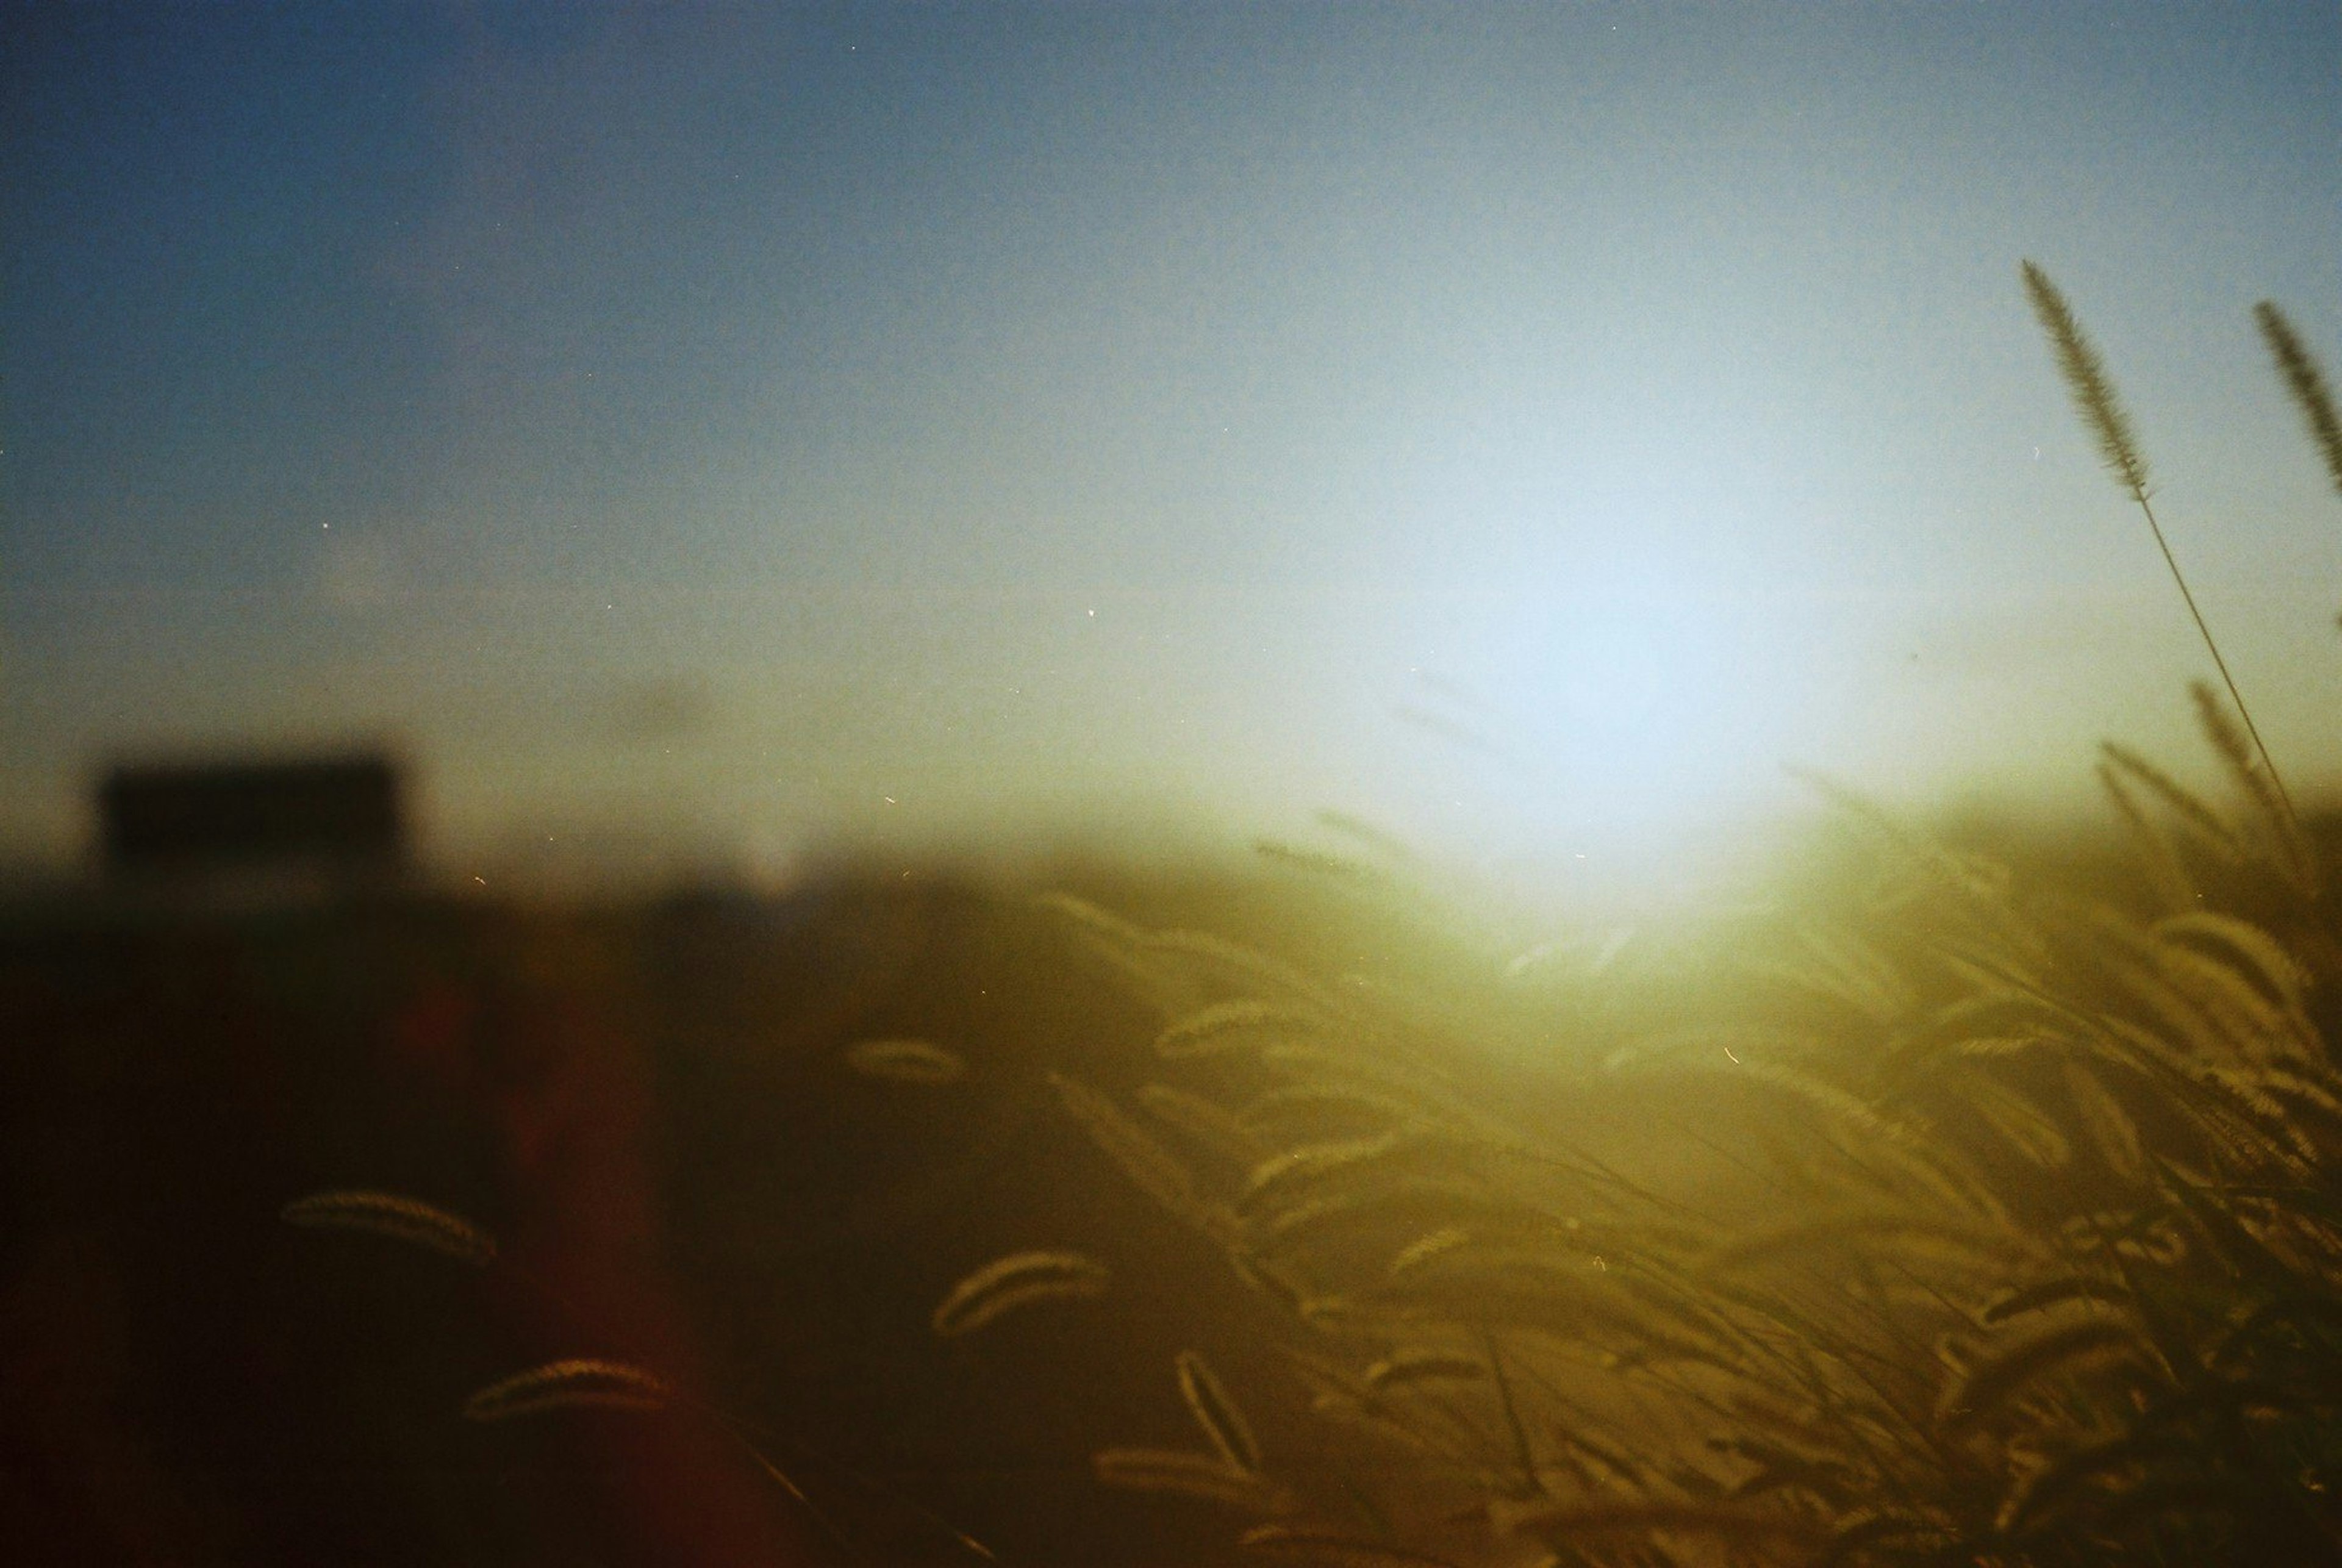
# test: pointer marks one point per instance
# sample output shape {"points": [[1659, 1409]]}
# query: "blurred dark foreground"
{"points": [[649, 1108], [653, 1107]]}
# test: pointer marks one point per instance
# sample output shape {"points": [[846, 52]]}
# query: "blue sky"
{"points": [[758, 429]]}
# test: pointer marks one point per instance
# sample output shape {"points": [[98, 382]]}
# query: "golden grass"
{"points": [[2014, 1251], [1217, 1413], [1017, 1280], [391, 1214], [906, 1061], [1951, 1213], [572, 1384], [1972, 1218]]}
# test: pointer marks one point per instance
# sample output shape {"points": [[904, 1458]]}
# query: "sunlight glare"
{"points": [[1646, 730]]}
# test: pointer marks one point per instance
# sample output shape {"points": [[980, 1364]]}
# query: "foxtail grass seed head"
{"points": [[2085, 378], [1021, 1278], [1233, 1026], [1402, 1368], [906, 1061], [2009, 1368], [390, 1215], [2305, 384], [576, 1384], [1218, 1414]]}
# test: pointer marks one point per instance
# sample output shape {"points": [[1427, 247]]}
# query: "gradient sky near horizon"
{"points": [[1528, 427]]}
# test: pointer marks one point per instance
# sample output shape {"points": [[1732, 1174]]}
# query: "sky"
{"points": [[745, 432]]}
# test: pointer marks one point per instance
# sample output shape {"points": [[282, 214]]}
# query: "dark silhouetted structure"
{"points": [[339, 818]]}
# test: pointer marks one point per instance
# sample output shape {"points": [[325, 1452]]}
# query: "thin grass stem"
{"points": [[2093, 389]]}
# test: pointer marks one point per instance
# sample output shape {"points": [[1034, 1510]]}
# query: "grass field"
{"points": [[1969, 1199]]}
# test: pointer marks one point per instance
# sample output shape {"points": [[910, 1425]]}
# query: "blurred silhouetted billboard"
{"points": [[339, 816]]}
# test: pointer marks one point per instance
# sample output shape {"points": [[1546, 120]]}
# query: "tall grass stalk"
{"points": [[2093, 389]]}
